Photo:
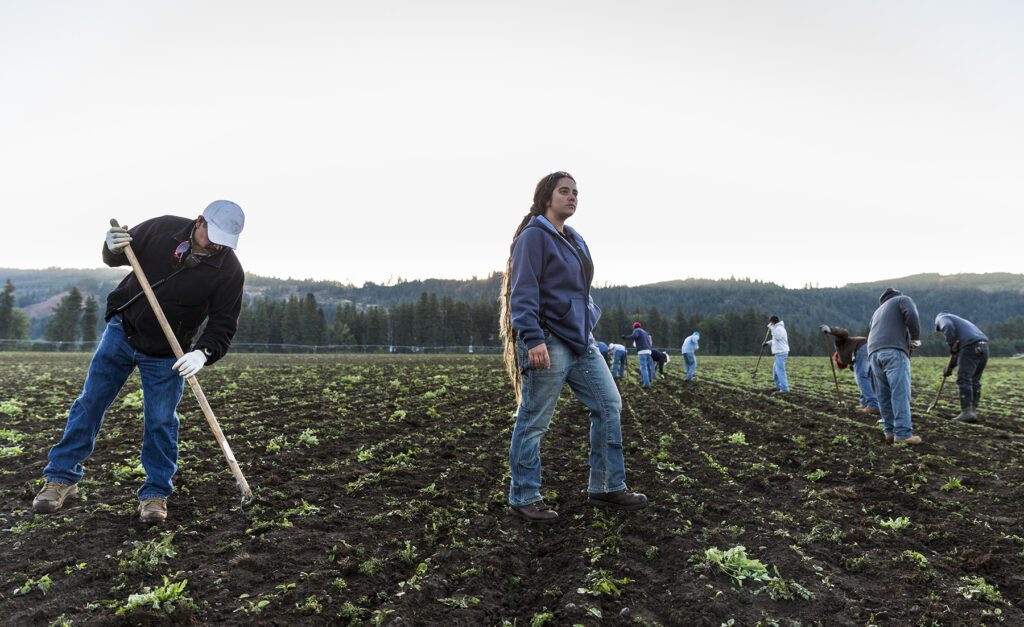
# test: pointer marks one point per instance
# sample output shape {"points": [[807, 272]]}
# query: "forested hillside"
{"points": [[729, 313]]}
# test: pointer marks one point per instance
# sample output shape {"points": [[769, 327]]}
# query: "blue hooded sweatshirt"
{"points": [[692, 343], [551, 277], [957, 329]]}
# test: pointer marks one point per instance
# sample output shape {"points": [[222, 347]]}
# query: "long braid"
{"points": [[508, 336], [541, 198]]}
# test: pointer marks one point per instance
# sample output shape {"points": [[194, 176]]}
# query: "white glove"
{"points": [[190, 363], [117, 239], [825, 328], [915, 343]]}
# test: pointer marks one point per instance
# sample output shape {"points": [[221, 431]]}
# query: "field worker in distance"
{"points": [[968, 346], [603, 349], [780, 349], [642, 342], [547, 322], [618, 354], [658, 360], [690, 347], [854, 351], [894, 333], [196, 276]]}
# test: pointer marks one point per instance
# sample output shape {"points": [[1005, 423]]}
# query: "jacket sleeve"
{"points": [[524, 301], [222, 321], [911, 318], [840, 333], [948, 331]]}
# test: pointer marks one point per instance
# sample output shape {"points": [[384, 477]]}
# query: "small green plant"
{"points": [[167, 597], [738, 438], [953, 483], [460, 603], [407, 553], [11, 451], [149, 554], [11, 407], [600, 582], [895, 523], [915, 558], [817, 475], [308, 438], [735, 563], [542, 618], [42, 584], [371, 566], [977, 589], [251, 607], [277, 443], [132, 400], [312, 605]]}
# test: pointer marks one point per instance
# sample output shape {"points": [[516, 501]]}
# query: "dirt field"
{"points": [[381, 499]]}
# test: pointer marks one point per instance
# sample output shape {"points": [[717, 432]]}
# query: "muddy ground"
{"points": [[381, 485]]}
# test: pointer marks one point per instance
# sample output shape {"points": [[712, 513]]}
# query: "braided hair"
{"points": [[541, 199]]}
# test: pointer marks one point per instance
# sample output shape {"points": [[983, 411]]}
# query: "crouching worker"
{"points": [[853, 351], [195, 275], [547, 319], [968, 347]]}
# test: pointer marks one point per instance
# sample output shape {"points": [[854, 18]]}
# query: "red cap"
{"points": [[636, 325]]}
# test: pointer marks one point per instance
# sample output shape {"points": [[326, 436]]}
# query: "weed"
{"points": [[372, 566], [308, 438], [953, 483], [312, 605], [11, 407], [11, 451], [738, 438], [460, 603], [915, 558], [132, 400], [817, 475], [167, 597], [600, 582], [542, 618], [149, 554], [735, 563], [42, 584], [977, 589], [895, 523], [252, 607]]}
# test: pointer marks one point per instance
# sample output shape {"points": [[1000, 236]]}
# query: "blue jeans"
{"points": [[619, 368], [691, 365], [645, 368], [111, 365], [652, 370], [589, 379], [862, 374], [891, 369], [779, 372]]}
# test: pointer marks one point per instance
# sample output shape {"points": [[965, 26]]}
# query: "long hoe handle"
{"points": [[935, 403], [243, 485], [835, 379], [753, 375]]}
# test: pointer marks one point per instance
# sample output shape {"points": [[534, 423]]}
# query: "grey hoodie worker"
{"points": [[895, 332], [968, 346]]}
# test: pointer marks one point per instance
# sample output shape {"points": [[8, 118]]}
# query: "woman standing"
{"points": [[547, 319]]}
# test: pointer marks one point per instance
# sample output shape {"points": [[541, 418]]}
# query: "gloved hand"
{"points": [[948, 371], [915, 343], [190, 363], [825, 328], [117, 239]]}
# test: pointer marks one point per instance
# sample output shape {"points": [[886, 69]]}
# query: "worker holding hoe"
{"points": [[779, 344], [199, 279], [894, 334], [853, 351], [968, 346]]}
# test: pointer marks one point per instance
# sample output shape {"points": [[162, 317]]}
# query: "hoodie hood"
{"points": [[942, 314], [696, 334], [889, 292]]}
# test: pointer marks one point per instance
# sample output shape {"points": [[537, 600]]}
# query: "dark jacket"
{"points": [[641, 339], [956, 329], [550, 281], [658, 356], [894, 324], [846, 346], [211, 289]]}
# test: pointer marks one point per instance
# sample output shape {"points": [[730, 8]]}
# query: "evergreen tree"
{"points": [[7, 311], [90, 318], [64, 324], [291, 323], [376, 327]]}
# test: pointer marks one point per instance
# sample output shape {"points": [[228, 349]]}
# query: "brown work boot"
{"points": [[622, 499], [536, 512], [51, 497], [153, 511], [868, 410], [914, 439]]}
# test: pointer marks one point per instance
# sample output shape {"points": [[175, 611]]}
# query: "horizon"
{"points": [[788, 141]]}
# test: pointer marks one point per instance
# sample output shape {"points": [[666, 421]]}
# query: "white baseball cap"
{"points": [[224, 222]]}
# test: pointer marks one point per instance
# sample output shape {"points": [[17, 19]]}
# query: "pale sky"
{"points": [[791, 141]]}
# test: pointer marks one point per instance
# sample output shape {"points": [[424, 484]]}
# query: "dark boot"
{"points": [[537, 512], [966, 415], [622, 499]]}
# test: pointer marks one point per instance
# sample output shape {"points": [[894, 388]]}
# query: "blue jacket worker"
{"points": [[690, 347], [642, 342], [658, 361], [968, 347], [547, 324], [853, 351], [779, 343], [894, 333], [193, 270]]}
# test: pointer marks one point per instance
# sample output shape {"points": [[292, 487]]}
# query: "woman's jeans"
{"points": [[862, 374], [592, 383], [779, 372], [113, 362], [891, 369], [691, 365]]}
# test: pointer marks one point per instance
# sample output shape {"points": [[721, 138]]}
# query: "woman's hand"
{"points": [[539, 357]]}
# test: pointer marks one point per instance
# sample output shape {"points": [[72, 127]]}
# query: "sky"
{"points": [[797, 142]]}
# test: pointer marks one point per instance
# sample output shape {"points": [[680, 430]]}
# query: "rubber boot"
{"points": [[966, 415]]}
